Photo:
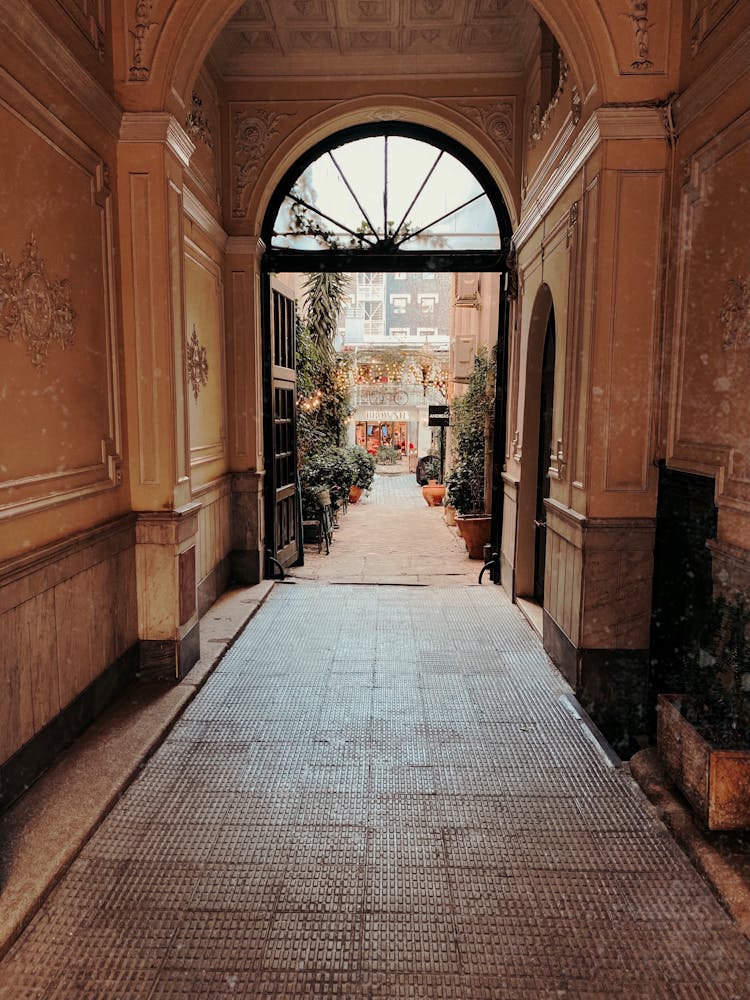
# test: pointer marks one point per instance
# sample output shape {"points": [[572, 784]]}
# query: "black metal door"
{"points": [[283, 536]]}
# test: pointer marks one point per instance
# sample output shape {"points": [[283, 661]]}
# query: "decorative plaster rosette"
{"points": [[496, 121], [254, 130], [197, 364], [34, 307]]}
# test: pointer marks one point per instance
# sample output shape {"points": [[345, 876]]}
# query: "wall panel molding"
{"points": [[33, 34], [210, 451], [687, 452], [46, 489], [731, 65], [550, 181]]}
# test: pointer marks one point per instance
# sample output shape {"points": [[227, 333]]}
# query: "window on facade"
{"points": [[399, 303], [426, 331], [386, 192], [427, 303], [401, 275], [399, 332]]}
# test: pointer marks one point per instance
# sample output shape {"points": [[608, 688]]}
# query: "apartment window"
{"points": [[400, 331], [427, 303], [399, 304], [428, 276], [426, 331], [400, 275]]}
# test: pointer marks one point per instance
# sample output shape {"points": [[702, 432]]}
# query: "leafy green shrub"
{"points": [[363, 464], [464, 487], [471, 416], [328, 469], [388, 455]]}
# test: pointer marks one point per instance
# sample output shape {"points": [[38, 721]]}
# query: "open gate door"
{"points": [[283, 519]]}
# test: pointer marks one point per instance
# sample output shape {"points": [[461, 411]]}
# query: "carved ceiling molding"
{"points": [[141, 30], [538, 122], [638, 17], [197, 124], [197, 364], [705, 17], [33, 306], [495, 118], [88, 17], [253, 134], [734, 316]]}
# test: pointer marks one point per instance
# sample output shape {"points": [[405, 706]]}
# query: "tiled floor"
{"points": [[380, 793]]}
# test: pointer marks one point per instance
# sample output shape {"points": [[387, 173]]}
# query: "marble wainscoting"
{"points": [[68, 619]]}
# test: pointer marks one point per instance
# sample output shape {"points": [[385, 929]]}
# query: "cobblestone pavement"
{"points": [[392, 536], [381, 793]]}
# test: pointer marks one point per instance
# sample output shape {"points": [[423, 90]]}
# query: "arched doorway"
{"points": [[383, 197], [546, 408], [537, 440]]}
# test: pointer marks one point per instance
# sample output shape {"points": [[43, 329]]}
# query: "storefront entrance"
{"points": [[383, 434]]}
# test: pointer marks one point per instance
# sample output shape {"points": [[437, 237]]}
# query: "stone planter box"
{"points": [[715, 782]]}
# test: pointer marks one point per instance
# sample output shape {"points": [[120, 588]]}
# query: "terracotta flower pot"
{"points": [[433, 493], [355, 492], [475, 531]]}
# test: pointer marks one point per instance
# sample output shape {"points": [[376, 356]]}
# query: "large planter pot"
{"points": [[715, 782], [355, 492], [433, 493], [475, 531]]}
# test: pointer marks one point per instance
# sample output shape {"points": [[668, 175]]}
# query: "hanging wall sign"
{"points": [[438, 416]]}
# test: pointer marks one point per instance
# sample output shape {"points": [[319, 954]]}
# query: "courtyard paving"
{"points": [[382, 791]]}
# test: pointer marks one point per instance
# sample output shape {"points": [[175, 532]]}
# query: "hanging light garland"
{"points": [[308, 403]]}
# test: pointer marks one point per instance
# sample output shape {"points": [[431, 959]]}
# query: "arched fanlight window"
{"points": [[379, 191]]}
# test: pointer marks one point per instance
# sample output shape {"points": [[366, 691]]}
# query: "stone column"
{"points": [[245, 385], [601, 516], [152, 154]]}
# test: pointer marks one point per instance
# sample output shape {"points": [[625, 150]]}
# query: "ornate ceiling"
{"points": [[375, 37]]}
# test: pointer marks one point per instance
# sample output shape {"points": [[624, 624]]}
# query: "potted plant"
{"points": [[703, 735], [329, 469], [363, 465], [467, 483]]}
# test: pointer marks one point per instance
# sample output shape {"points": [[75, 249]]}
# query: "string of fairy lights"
{"points": [[381, 372]]}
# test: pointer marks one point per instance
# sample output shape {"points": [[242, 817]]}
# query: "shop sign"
{"points": [[391, 415], [438, 416]]}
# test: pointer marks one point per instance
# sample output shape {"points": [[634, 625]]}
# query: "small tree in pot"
{"points": [[466, 488], [363, 465]]}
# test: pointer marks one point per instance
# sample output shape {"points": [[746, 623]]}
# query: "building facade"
{"points": [[142, 146]]}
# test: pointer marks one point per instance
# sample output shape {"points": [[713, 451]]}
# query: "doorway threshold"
{"points": [[533, 612]]}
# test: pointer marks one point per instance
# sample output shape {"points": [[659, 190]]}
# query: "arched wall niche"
{"points": [[365, 111], [159, 71], [525, 535]]}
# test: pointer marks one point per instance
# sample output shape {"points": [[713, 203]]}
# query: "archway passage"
{"points": [[386, 197]]}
